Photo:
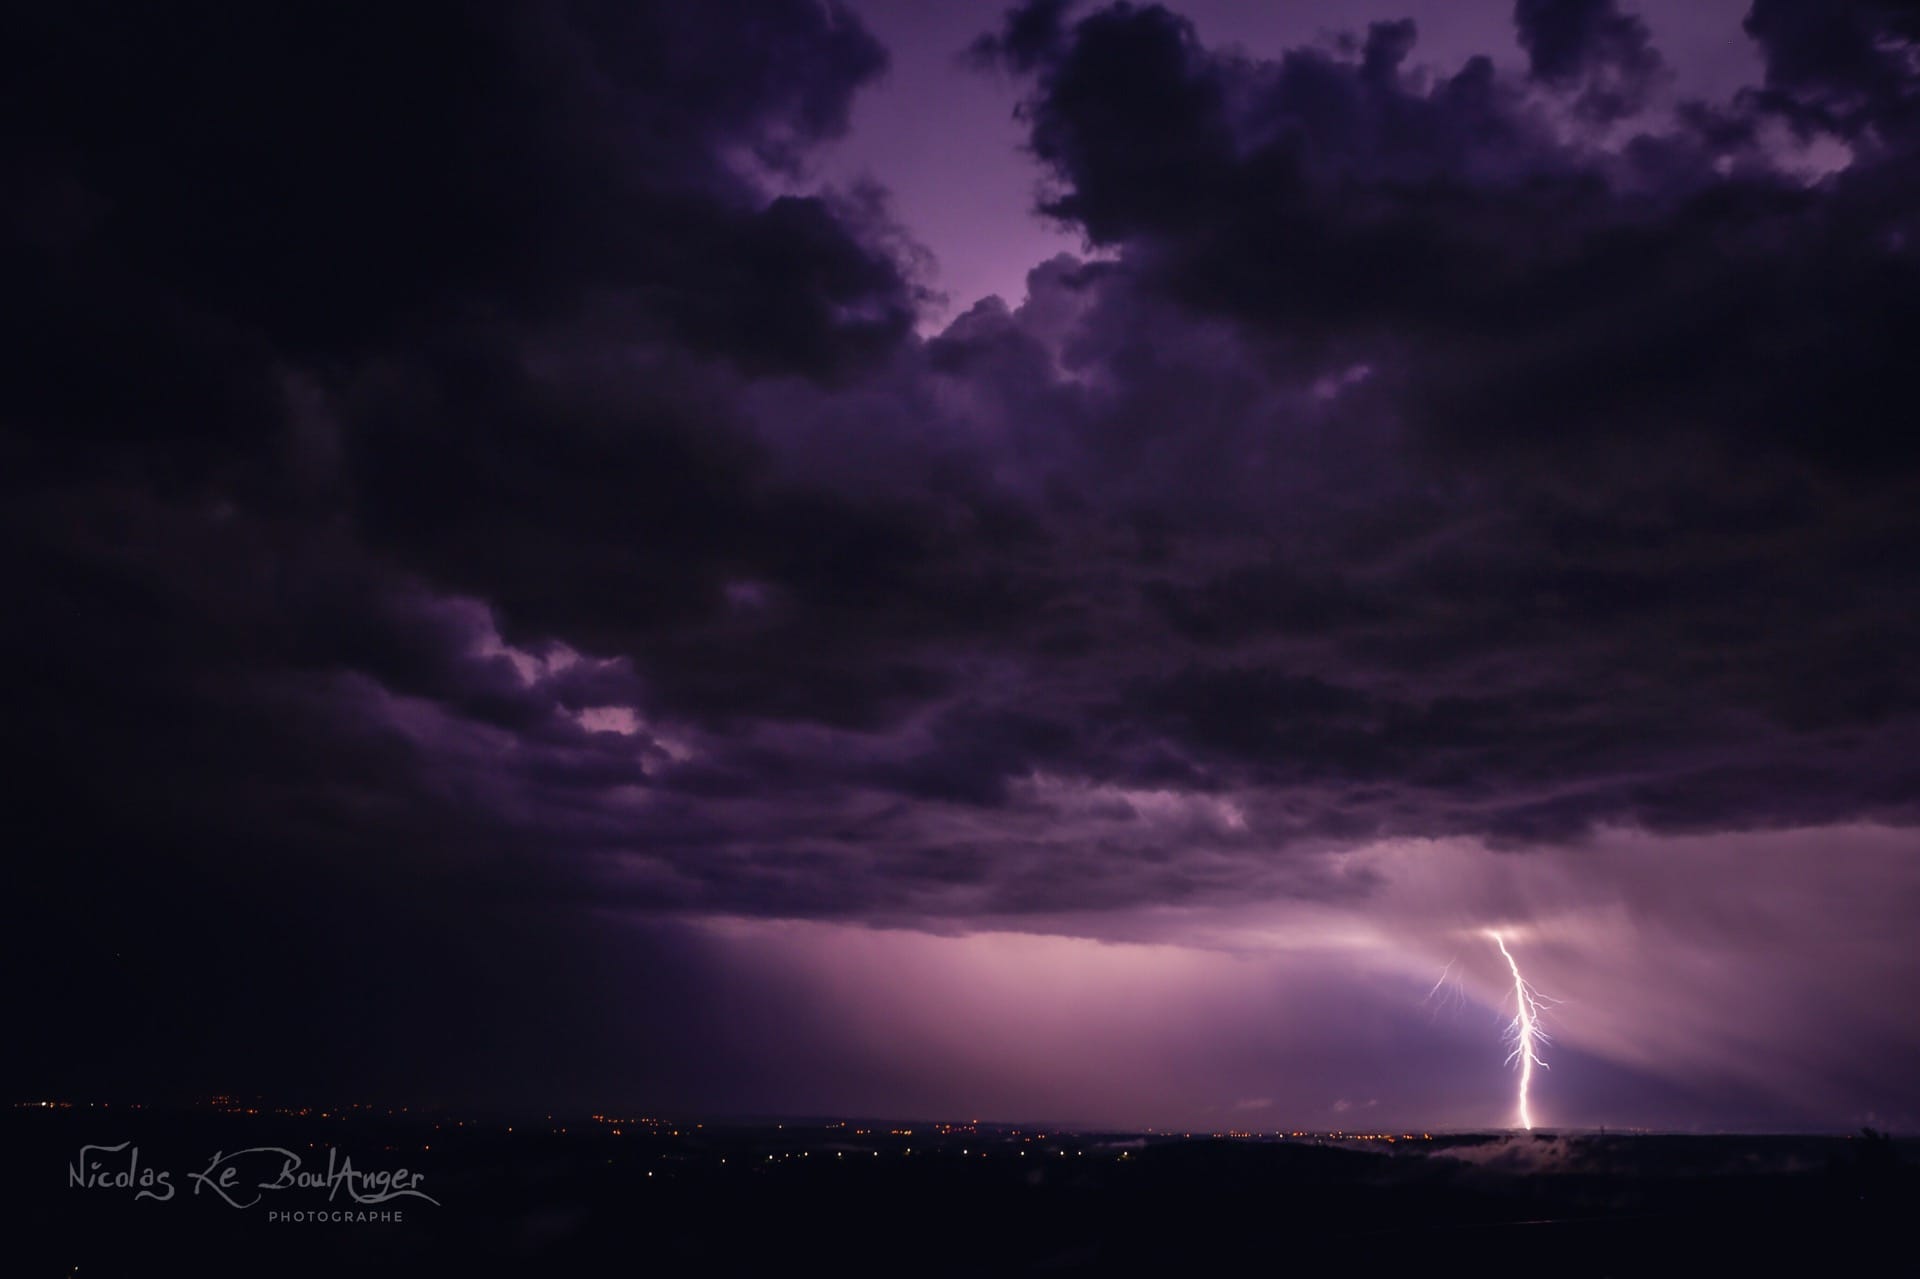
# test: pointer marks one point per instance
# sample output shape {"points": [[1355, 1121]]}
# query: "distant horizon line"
{"points": [[256, 1105]]}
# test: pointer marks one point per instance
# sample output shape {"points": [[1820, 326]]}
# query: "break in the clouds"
{"points": [[490, 545]]}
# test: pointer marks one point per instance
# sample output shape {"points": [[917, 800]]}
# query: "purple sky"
{"points": [[942, 137], [1058, 564]]}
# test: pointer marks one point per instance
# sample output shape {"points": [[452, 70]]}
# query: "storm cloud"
{"points": [[480, 506]]}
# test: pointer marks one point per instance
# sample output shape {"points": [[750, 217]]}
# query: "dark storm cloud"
{"points": [[1628, 370], [241, 245], [1845, 67], [207, 188], [1592, 44], [459, 476]]}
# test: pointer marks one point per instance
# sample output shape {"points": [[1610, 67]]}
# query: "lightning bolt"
{"points": [[1524, 1031], [1449, 983]]}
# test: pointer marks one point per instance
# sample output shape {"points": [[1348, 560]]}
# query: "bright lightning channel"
{"points": [[1524, 1031]]}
